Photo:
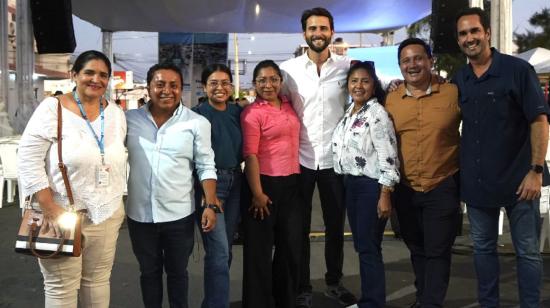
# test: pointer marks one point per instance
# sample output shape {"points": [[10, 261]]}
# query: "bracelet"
{"points": [[213, 207], [389, 189]]}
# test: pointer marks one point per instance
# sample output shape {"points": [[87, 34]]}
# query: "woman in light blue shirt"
{"points": [[365, 151]]}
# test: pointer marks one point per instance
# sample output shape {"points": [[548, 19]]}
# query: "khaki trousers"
{"points": [[87, 277]]}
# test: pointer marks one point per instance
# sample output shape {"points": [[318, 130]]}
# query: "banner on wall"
{"points": [[192, 52], [122, 80]]}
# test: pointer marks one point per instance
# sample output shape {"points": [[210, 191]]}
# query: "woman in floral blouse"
{"points": [[365, 152]]}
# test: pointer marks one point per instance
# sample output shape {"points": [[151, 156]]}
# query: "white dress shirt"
{"points": [[364, 144], [37, 158], [162, 160], [319, 102]]}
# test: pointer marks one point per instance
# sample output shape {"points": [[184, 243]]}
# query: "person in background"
{"points": [[166, 143], [270, 147], [502, 156], [93, 141], [364, 150], [315, 83], [340, 47], [226, 137]]}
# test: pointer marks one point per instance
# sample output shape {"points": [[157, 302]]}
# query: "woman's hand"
{"points": [[259, 206], [51, 213], [384, 205]]}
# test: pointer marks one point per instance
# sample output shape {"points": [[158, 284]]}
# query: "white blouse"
{"points": [[364, 144], [38, 160]]}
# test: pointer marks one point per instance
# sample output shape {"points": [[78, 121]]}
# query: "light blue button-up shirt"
{"points": [[160, 186]]}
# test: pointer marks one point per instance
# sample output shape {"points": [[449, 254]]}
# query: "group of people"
{"points": [[402, 150]]}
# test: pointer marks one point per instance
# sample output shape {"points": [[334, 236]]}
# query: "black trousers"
{"points": [[428, 226], [163, 247], [331, 193], [270, 279]]}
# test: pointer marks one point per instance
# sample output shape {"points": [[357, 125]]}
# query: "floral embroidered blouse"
{"points": [[364, 144]]}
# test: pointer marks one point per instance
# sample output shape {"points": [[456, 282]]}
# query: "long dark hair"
{"points": [[266, 64], [379, 92]]}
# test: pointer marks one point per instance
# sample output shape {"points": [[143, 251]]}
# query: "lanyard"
{"points": [[102, 115]]}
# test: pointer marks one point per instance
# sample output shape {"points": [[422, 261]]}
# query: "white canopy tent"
{"points": [[246, 16], [538, 57]]}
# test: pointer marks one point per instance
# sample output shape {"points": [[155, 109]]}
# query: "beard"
{"points": [[318, 49]]}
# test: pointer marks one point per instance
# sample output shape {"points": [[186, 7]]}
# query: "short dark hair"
{"points": [[483, 17], [316, 11], [212, 68], [379, 92], [413, 41], [88, 56], [163, 66], [266, 64]]}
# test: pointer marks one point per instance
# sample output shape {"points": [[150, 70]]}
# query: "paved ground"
{"points": [[21, 281]]}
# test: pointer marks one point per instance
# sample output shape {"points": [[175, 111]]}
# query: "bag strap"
{"points": [[61, 165]]}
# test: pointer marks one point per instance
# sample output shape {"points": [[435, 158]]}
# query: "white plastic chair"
{"points": [[8, 158]]}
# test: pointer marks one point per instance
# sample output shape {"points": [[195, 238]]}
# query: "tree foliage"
{"points": [[533, 39]]}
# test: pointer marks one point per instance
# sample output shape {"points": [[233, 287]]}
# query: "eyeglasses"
{"points": [[263, 81], [215, 83]]}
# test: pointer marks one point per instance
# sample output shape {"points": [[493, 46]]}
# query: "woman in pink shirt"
{"points": [[270, 147]]}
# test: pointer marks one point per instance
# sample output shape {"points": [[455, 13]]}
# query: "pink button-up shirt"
{"points": [[273, 135]]}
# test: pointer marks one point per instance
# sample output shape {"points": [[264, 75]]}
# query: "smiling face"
{"points": [[165, 90], [318, 34], [92, 80], [268, 84], [360, 86], [415, 65], [473, 39], [218, 87]]}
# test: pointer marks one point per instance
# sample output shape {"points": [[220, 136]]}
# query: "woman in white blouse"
{"points": [[93, 143], [364, 151]]}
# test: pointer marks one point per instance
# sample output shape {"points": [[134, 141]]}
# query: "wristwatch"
{"points": [[537, 168], [213, 207]]}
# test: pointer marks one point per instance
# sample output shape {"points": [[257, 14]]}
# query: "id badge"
{"points": [[102, 176]]}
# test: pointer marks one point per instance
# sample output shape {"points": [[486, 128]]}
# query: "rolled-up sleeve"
{"points": [[35, 142], [202, 151], [250, 125], [384, 141]]}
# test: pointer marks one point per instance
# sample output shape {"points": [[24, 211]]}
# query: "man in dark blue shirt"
{"points": [[503, 147]]}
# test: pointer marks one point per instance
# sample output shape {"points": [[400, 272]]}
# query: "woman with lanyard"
{"points": [[224, 119], [93, 152]]}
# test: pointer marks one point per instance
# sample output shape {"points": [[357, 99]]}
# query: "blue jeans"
{"points": [[159, 247], [524, 220], [362, 194], [217, 243]]}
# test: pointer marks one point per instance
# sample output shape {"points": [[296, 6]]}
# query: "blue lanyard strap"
{"points": [[102, 115]]}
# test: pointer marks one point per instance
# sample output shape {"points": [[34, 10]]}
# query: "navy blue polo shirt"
{"points": [[497, 109], [227, 141]]}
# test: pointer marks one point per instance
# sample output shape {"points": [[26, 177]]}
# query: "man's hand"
{"points": [[259, 207], [208, 220], [530, 187], [394, 84]]}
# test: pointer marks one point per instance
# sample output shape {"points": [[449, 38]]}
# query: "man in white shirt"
{"points": [[316, 84]]}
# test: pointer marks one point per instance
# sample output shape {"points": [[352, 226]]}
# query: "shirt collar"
{"points": [[146, 109], [494, 68], [365, 106], [307, 61], [433, 87], [261, 101]]}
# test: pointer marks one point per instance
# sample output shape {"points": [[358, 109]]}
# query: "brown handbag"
{"points": [[31, 239]]}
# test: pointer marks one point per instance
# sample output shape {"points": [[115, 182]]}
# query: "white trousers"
{"points": [[66, 279]]}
